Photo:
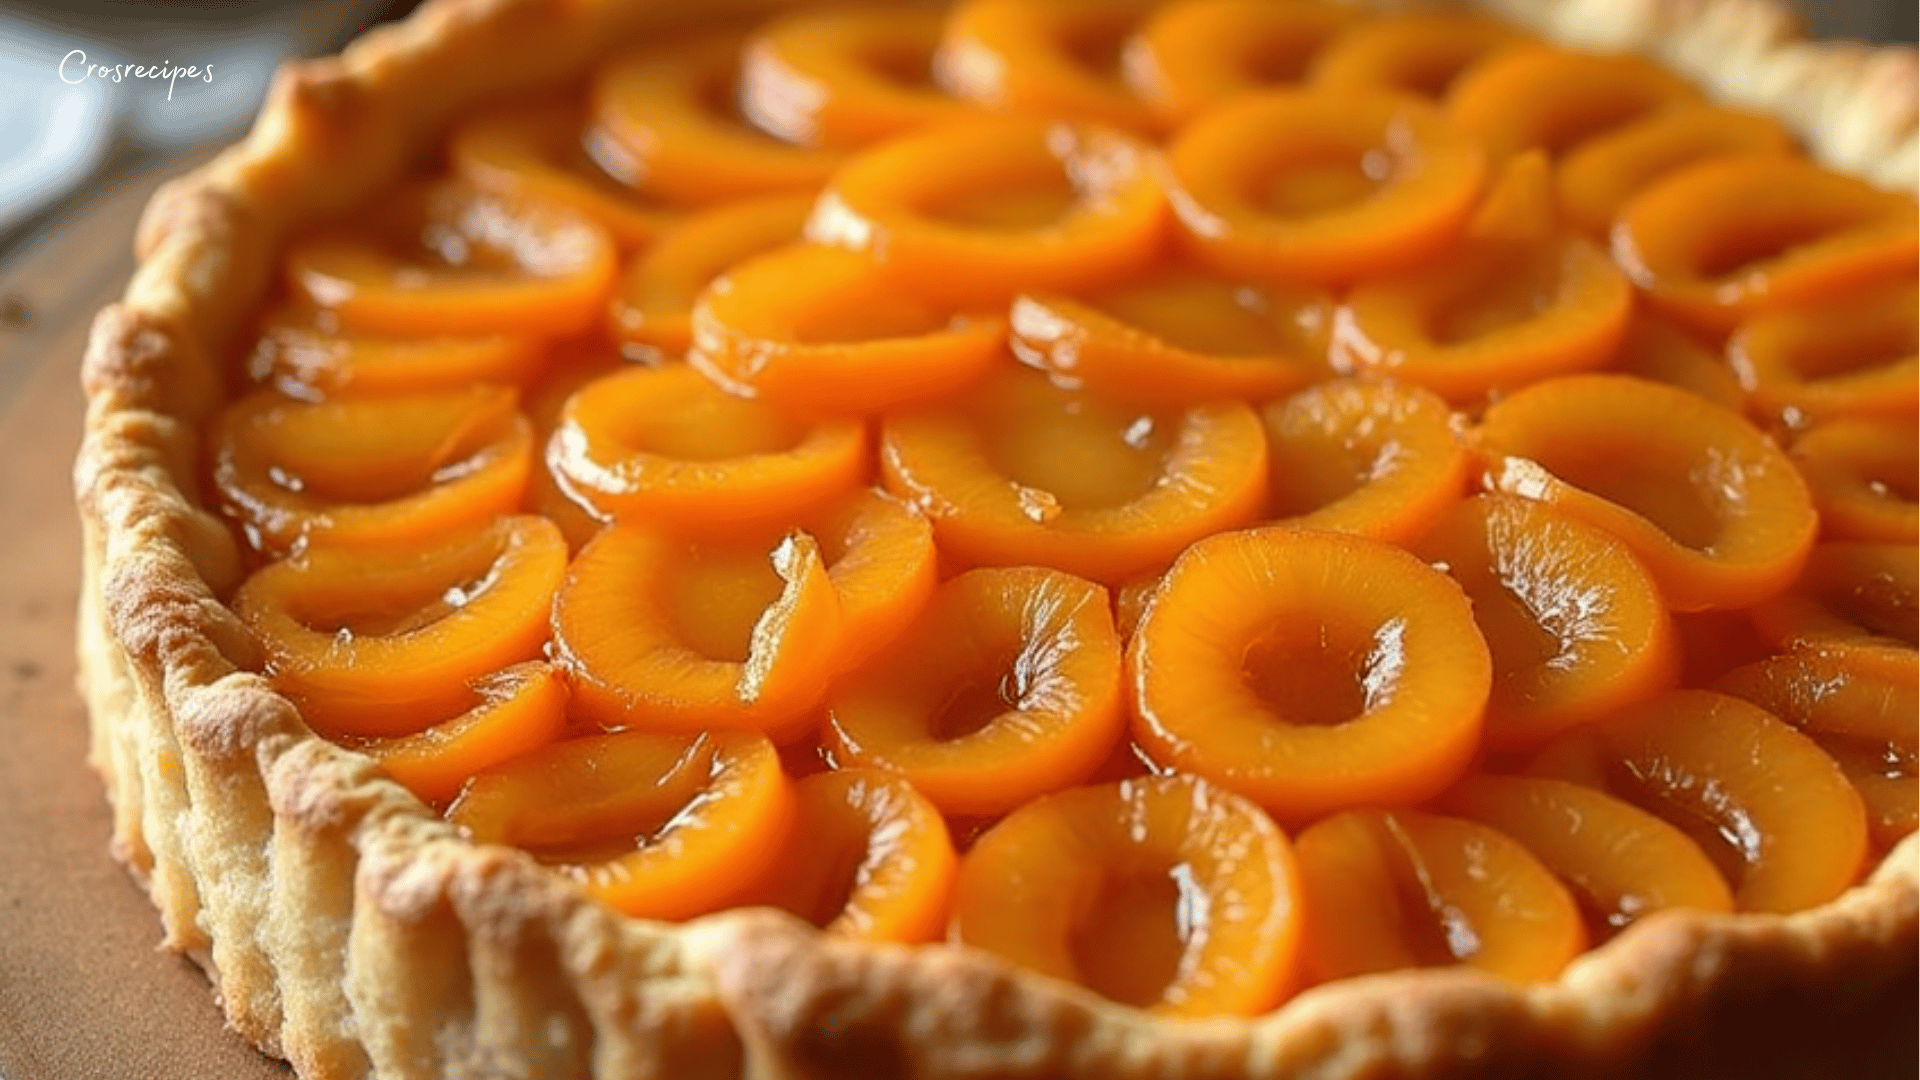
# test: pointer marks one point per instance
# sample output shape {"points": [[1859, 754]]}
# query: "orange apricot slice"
{"points": [[1386, 890], [978, 212], [1321, 188], [1005, 688], [1413, 52], [658, 826], [445, 258], [870, 859], [1048, 57], [1536, 97], [386, 642], [1605, 171], [1018, 470], [845, 79], [1194, 54], [413, 468], [1858, 704], [653, 305], [303, 354], [1366, 456], [1762, 800], [1576, 627], [1163, 892], [1621, 862], [1863, 475], [1517, 301], [880, 557], [1855, 356], [1713, 509], [669, 113], [975, 212], [1309, 672], [1657, 349], [1175, 336], [821, 331], [541, 150], [659, 632], [1730, 238], [1850, 591], [520, 709], [666, 443]]}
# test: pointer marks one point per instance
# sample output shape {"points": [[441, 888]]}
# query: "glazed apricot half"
{"points": [[518, 709], [1018, 470], [1598, 177], [880, 557], [1518, 300], [658, 826], [1863, 475], [1414, 52], [1537, 97], [1576, 626], [1621, 862], [540, 150], [1192, 55], [1772, 810], [418, 467], [845, 79], [1729, 238], [667, 443], [669, 114], [1005, 688], [303, 353], [1850, 591], [658, 632], [1372, 457], [653, 305], [1856, 356], [1309, 671], [1386, 890], [388, 642], [448, 258], [820, 331], [1713, 509], [870, 859], [1177, 335], [1162, 892], [974, 212], [1321, 188], [1858, 704], [1047, 57]]}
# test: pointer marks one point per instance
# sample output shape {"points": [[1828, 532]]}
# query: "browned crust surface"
{"points": [[349, 930]]}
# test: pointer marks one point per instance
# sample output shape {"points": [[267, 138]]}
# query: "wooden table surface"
{"points": [[84, 990]]}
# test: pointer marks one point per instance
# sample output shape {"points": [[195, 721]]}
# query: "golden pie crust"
{"points": [[348, 929]]}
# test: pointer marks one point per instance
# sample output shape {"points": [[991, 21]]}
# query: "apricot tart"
{"points": [[940, 542]]}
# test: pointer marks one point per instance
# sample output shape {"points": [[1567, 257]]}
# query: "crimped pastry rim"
{"points": [[351, 931]]}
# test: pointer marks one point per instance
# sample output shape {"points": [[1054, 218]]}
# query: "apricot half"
{"points": [[1046, 57], [1762, 800], [1020, 471], [1606, 170], [1537, 97], [447, 258], [1858, 703], [1415, 52], [1850, 591], [1386, 890], [1309, 672], [414, 468], [845, 79], [1854, 356], [658, 826], [1576, 627], [1194, 54], [1005, 688], [1371, 457], [1863, 475], [518, 709], [1162, 892], [541, 150], [1713, 509], [386, 642], [1321, 188], [303, 353]]}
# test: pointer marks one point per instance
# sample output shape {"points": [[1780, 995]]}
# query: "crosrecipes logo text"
{"points": [[75, 69]]}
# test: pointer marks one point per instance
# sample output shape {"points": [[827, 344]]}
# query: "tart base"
{"points": [[349, 930]]}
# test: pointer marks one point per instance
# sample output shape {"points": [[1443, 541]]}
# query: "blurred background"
{"points": [[64, 133]]}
